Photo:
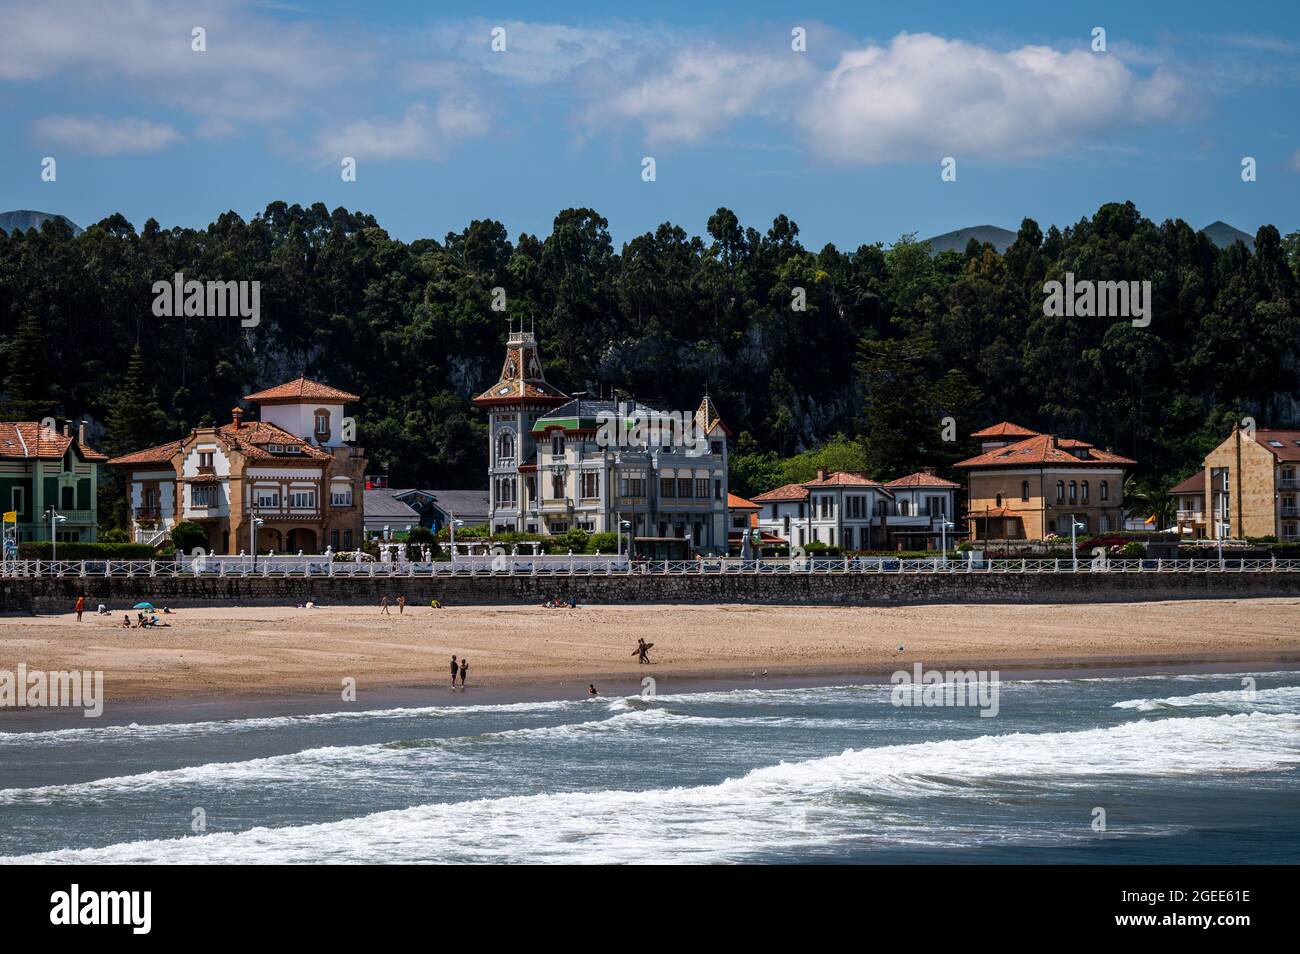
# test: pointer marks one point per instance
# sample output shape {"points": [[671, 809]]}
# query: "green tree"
{"points": [[27, 385]]}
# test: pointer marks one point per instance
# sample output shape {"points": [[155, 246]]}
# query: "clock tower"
{"points": [[513, 404]]}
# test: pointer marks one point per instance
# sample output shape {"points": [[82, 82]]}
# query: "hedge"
{"points": [[43, 550]]}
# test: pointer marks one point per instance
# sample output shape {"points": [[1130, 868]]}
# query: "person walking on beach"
{"points": [[643, 651], [464, 669], [455, 668], [383, 607], [80, 607], [401, 604]]}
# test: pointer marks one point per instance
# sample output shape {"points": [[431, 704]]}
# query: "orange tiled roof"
{"points": [[162, 454], [1044, 449], [1005, 429], [843, 479], [252, 437], [707, 417], [921, 479], [1194, 484], [27, 440], [1290, 441], [301, 389], [740, 503], [782, 493]]}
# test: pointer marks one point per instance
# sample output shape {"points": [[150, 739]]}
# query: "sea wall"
{"points": [[58, 595]]}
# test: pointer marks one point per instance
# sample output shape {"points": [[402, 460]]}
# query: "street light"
{"points": [[452, 524], [1074, 546], [54, 537], [252, 537], [944, 527]]}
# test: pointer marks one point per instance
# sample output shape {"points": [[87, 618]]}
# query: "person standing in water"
{"points": [[464, 669]]}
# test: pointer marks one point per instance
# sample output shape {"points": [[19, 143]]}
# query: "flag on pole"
{"points": [[11, 516], [1150, 520]]}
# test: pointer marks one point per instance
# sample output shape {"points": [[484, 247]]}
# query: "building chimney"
{"points": [[236, 415], [81, 433], [67, 428], [821, 473]]}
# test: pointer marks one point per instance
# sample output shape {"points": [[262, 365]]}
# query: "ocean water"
{"points": [[1187, 768]]}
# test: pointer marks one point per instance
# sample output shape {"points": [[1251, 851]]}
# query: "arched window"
{"points": [[505, 445], [1024, 490], [1074, 491], [902, 508], [1060, 491], [557, 486], [1085, 491], [1105, 490], [999, 503]]}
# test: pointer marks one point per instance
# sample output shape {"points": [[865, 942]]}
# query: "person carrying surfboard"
{"points": [[642, 651]]}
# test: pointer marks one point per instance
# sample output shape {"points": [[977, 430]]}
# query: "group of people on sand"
{"points": [[461, 668], [558, 602], [142, 621], [386, 603]]}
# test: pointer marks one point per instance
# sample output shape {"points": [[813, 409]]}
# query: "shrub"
{"points": [[1133, 550], [115, 535], [187, 535], [605, 542]]}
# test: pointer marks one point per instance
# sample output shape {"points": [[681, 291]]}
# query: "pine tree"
{"points": [[135, 420], [27, 385]]}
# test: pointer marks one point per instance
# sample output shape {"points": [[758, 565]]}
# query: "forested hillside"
{"points": [[891, 341]]}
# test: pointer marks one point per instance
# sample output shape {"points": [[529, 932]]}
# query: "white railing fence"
{"points": [[585, 565]]}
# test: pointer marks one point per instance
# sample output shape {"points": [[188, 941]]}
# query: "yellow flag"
{"points": [[11, 516], [1151, 519]]}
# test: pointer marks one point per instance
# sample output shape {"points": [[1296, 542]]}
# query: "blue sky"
{"points": [[845, 138]]}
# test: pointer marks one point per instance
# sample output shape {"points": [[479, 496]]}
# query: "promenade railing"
{"points": [[585, 565]]}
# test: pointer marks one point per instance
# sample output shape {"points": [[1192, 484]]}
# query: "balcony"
{"points": [[1289, 483], [1191, 516], [148, 514], [73, 516]]}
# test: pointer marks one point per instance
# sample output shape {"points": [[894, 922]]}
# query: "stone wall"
{"points": [[58, 595]]}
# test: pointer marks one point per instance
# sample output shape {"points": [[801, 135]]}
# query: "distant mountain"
{"points": [[23, 219], [1222, 234], [956, 241]]}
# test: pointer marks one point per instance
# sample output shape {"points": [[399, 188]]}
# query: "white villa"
{"points": [[557, 463], [854, 512]]}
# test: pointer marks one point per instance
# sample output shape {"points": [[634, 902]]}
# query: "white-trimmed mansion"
{"points": [[552, 468], [294, 470]]}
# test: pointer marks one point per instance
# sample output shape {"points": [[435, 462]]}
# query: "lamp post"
{"points": [[54, 537], [451, 529], [253, 524], [944, 527], [1074, 546]]}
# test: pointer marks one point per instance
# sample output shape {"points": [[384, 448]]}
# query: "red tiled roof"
{"points": [[921, 479], [782, 493], [740, 503], [252, 436], [27, 440], [1194, 484], [843, 479], [1043, 449], [301, 389], [1290, 441], [1005, 429], [162, 454]]}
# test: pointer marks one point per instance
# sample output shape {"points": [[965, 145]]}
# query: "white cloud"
{"points": [[99, 136], [421, 133], [255, 68], [702, 90], [923, 97]]}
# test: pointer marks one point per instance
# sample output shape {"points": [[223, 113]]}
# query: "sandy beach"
{"points": [[269, 651]]}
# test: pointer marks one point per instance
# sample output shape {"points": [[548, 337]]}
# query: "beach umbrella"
{"points": [[147, 606]]}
